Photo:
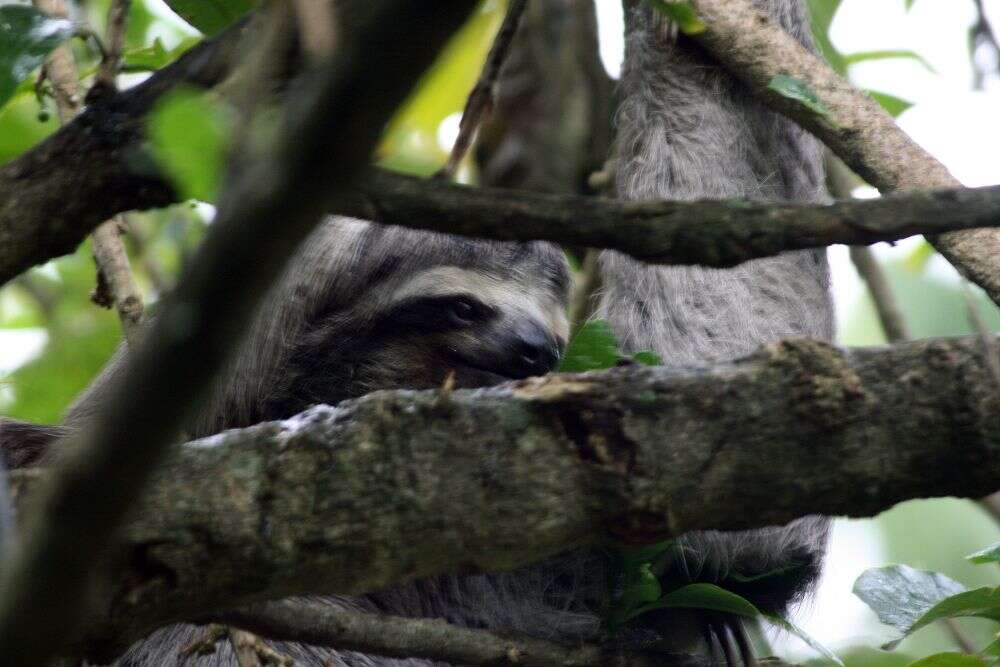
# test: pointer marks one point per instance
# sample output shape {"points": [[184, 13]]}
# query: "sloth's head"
{"points": [[390, 308]]}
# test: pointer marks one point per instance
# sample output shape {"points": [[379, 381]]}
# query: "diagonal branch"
{"points": [[489, 480], [852, 124], [326, 136], [430, 638]]}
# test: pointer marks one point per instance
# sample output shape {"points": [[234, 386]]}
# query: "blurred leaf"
{"points": [[949, 660], [593, 348], [210, 16], [189, 136], [894, 106], [410, 143], [681, 13], [917, 260], [888, 55], [822, 12], [26, 37], [908, 599], [909, 4], [20, 126], [155, 55], [710, 596], [648, 358], [799, 91], [990, 554]]}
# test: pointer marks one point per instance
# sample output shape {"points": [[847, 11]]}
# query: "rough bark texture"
{"points": [[58, 192], [403, 485], [709, 233], [432, 638], [755, 49], [327, 131]]}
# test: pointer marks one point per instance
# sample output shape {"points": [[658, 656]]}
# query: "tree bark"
{"points": [[402, 485]]}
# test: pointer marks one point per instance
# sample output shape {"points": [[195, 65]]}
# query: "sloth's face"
{"points": [[426, 339], [476, 327]]}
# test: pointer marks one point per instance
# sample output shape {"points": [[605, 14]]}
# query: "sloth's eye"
{"points": [[464, 311]]}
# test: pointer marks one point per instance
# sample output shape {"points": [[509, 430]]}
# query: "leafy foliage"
{"points": [[681, 13], [909, 599], [189, 137], [26, 37], [990, 554], [594, 347], [799, 91], [210, 16]]}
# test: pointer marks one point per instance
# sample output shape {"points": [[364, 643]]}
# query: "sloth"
{"points": [[365, 307]]}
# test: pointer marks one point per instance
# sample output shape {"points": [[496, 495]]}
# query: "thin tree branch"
{"points": [[114, 45], [434, 639], [710, 233], [889, 314], [537, 467], [116, 285], [841, 182], [326, 136], [480, 103], [756, 50]]}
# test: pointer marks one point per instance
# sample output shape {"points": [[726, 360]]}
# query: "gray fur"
{"points": [[686, 131]]}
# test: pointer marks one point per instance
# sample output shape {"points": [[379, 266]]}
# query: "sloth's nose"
{"points": [[531, 351]]}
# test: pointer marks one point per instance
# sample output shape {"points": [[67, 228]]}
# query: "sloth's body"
{"points": [[365, 308]]}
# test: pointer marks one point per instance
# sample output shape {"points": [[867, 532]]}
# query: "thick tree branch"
{"points": [[325, 138], [492, 479], [396, 637], [756, 50]]}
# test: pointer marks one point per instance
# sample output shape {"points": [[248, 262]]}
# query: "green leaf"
{"points": [[909, 4], [888, 55], [990, 554], [154, 56], [710, 596], [210, 16], [593, 348], [26, 37], [647, 358], [681, 13], [189, 137], [799, 91], [916, 261], [908, 599], [949, 660], [893, 105], [822, 12]]}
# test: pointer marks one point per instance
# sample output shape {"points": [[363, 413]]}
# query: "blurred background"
{"points": [[933, 63]]}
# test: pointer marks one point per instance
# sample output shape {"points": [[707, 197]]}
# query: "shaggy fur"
{"points": [[351, 317]]}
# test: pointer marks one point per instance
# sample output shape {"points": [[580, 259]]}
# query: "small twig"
{"points": [[479, 105], [841, 181], [961, 640], [990, 352], [205, 644], [115, 283], [114, 45], [889, 314], [981, 34], [582, 299], [251, 651], [434, 639]]}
